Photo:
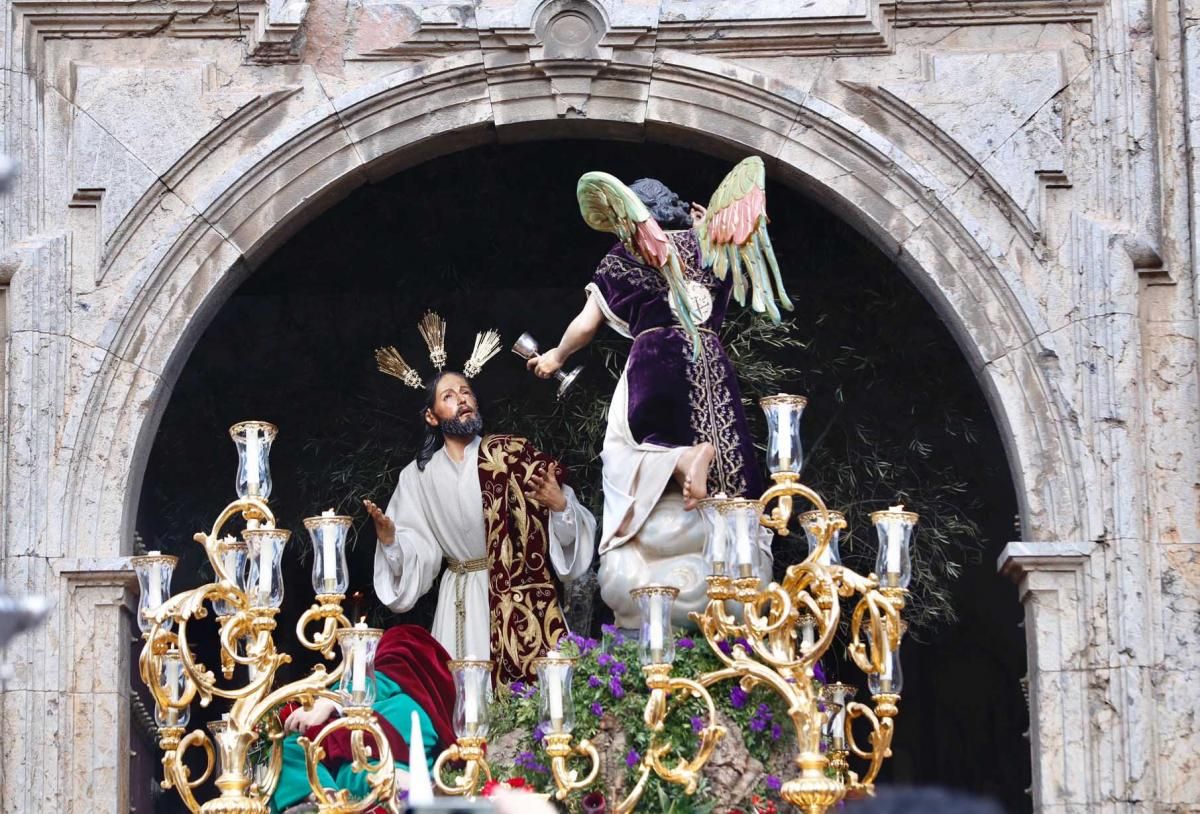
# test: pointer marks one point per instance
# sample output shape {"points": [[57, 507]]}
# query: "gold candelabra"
{"points": [[774, 636], [245, 597]]}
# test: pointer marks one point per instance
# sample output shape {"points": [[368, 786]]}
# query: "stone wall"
{"points": [[1028, 163]]}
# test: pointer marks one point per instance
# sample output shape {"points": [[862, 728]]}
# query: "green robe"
{"points": [[391, 703]]}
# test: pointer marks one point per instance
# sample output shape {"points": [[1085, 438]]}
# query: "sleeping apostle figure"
{"points": [[495, 511], [411, 676]]}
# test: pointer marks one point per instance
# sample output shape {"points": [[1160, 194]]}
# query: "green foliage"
{"points": [[608, 679]]}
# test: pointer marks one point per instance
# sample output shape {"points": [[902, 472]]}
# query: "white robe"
{"points": [[439, 513]]}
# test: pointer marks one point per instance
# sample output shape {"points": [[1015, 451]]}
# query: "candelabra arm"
{"points": [[558, 749], [381, 773], [883, 619], [254, 509], [470, 751], [327, 608], [787, 485], [175, 773], [635, 794], [687, 772], [882, 728]]}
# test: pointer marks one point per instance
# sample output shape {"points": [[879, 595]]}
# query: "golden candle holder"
{"points": [[762, 647], [472, 687], [246, 602]]}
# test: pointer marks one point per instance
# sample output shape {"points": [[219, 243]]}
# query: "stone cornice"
{"points": [[270, 29]]}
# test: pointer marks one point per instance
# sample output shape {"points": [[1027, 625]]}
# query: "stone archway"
{"points": [[184, 248]]}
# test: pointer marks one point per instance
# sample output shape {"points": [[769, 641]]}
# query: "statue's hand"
{"points": [[547, 364], [301, 719], [385, 529], [544, 488], [698, 213]]}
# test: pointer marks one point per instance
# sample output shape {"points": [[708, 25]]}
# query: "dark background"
{"points": [[492, 237]]}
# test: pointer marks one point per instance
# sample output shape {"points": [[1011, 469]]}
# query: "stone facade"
{"points": [[1028, 163]]}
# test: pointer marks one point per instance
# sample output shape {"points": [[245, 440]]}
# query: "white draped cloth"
{"points": [[439, 514], [635, 475]]}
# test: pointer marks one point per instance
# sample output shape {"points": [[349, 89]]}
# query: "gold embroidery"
{"points": [[526, 619]]}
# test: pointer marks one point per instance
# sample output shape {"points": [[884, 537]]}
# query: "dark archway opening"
{"points": [[491, 237]]}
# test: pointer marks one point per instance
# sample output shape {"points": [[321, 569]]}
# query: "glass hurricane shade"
{"points": [[154, 571], [656, 640], [556, 706], [328, 533], [472, 697], [358, 645], [253, 440], [172, 679], [784, 452], [264, 577], [812, 523], [894, 563]]}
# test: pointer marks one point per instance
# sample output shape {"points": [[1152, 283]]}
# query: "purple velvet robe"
{"points": [[673, 400]]}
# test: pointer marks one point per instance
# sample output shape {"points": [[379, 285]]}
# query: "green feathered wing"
{"points": [[733, 237], [607, 205]]}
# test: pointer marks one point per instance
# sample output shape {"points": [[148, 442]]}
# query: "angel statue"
{"points": [[677, 430]]}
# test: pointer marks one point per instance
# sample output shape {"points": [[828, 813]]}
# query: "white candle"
{"points": [[329, 535], [266, 575], [783, 435], [470, 706], [174, 670], [808, 636], [155, 587], [895, 536], [718, 531], [656, 626], [556, 699], [252, 460], [358, 679], [745, 549], [839, 718], [886, 675]]}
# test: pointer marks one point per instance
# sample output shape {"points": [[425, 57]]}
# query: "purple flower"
{"points": [[618, 638], [594, 682], [685, 643], [539, 734], [758, 724], [774, 783], [776, 732], [818, 673], [698, 723], [597, 710], [633, 758], [616, 688], [518, 687], [618, 668], [604, 659], [738, 696], [764, 711], [529, 762], [725, 647], [589, 645]]}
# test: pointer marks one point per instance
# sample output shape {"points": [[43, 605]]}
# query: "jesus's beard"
{"points": [[463, 427]]}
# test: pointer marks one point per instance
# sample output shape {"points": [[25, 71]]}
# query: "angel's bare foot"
{"points": [[693, 468]]}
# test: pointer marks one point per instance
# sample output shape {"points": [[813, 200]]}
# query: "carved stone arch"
{"points": [[205, 247]]}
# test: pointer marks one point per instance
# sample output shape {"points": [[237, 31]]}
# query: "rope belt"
{"points": [[461, 569], [674, 328]]}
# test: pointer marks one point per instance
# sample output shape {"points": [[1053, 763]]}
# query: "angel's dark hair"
{"points": [[432, 438], [668, 209]]}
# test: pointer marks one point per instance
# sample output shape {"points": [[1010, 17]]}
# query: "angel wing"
{"points": [[607, 205], [733, 235]]}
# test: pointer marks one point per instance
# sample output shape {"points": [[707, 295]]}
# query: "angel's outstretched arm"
{"points": [[579, 333]]}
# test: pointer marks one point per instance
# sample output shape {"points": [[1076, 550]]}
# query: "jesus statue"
{"points": [[495, 511]]}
